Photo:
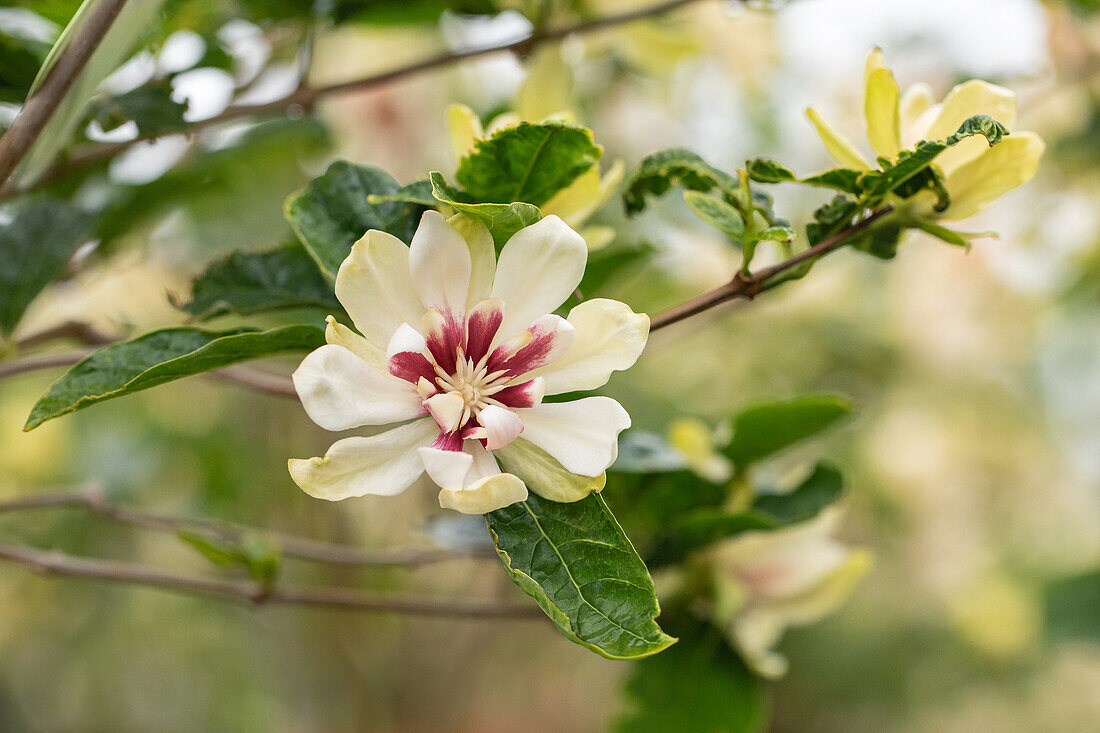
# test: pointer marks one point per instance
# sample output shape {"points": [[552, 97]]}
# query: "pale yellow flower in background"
{"points": [[768, 581], [998, 617], [975, 173], [697, 445], [546, 93]]}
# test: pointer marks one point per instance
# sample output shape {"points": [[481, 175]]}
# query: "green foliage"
{"points": [[133, 23], [706, 526], [34, 246], [528, 162], [766, 170], [163, 356], [579, 566], [839, 179], [715, 211], [831, 218], [617, 260], [698, 685], [766, 428], [660, 171], [150, 107], [255, 553], [417, 192], [334, 211], [255, 282], [20, 58], [502, 220], [1071, 607]]}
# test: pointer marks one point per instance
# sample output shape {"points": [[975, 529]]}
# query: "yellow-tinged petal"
{"points": [[974, 97], [548, 89], [486, 495], [842, 151], [340, 335], [916, 99], [483, 256], [881, 112], [1008, 164], [695, 442], [544, 475], [597, 236], [463, 129], [385, 464], [585, 195]]}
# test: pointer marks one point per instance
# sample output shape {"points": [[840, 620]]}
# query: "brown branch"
{"points": [[85, 333], [59, 564], [751, 285], [41, 105], [307, 96], [94, 502]]}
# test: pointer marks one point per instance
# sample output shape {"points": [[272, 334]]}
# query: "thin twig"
{"points": [[41, 105], [306, 96], [96, 503], [59, 564], [749, 286], [85, 333]]}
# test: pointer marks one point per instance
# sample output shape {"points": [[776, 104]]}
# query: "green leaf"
{"points": [[255, 282], [715, 211], [838, 179], [706, 526], [660, 171], [881, 242], [150, 106], [1071, 607], [20, 58], [220, 552], [502, 220], [766, 170], [613, 262], [334, 211], [940, 232], [778, 234], [417, 192], [528, 162], [823, 487], [163, 356], [698, 685], [132, 24], [831, 218], [768, 427], [34, 246], [259, 557], [579, 566]]}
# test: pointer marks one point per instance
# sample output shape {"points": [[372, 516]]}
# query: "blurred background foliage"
{"points": [[972, 464]]}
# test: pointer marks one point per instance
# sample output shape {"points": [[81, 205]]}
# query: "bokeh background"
{"points": [[973, 462]]}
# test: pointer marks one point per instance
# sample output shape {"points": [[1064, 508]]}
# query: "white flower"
{"points": [[770, 580], [462, 348], [975, 174]]}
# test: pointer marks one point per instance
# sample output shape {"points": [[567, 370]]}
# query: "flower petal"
{"points": [[837, 145], [502, 426], [340, 391], [524, 394], [539, 268], [338, 334], [581, 435], [447, 410], [551, 337], [448, 468], [544, 475], [1008, 164], [482, 323], [463, 130], [483, 255], [610, 337], [880, 107], [405, 356], [385, 464], [443, 335], [916, 99], [439, 262], [964, 101], [375, 288], [486, 495]]}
